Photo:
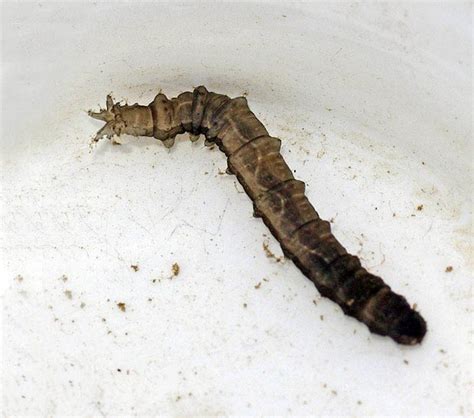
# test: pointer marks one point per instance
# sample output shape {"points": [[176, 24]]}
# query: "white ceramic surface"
{"points": [[373, 105]]}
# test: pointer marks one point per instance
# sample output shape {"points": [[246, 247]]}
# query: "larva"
{"points": [[278, 198]]}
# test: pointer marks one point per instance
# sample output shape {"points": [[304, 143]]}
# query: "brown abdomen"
{"points": [[254, 157]]}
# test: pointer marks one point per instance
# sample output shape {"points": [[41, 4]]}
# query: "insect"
{"points": [[278, 198]]}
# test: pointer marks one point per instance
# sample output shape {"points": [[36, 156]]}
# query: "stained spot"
{"points": [[175, 269]]}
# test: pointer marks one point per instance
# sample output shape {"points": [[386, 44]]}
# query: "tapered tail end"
{"points": [[410, 329]]}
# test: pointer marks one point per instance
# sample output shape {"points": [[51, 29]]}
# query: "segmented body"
{"points": [[278, 198]]}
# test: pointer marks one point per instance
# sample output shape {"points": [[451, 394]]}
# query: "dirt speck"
{"points": [[135, 267], [175, 269], [321, 317], [64, 278], [406, 361], [270, 254], [19, 278], [321, 153], [419, 208], [68, 294], [245, 305], [449, 269], [82, 305], [257, 286], [122, 306]]}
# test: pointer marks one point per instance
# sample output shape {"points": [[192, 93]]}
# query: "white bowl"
{"points": [[373, 105]]}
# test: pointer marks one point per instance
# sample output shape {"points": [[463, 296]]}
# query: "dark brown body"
{"points": [[279, 199]]}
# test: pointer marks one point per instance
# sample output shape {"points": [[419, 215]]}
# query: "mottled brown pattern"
{"points": [[279, 199]]}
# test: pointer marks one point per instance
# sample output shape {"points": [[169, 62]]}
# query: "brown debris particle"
{"points": [[82, 305], [419, 207], [257, 286], [245, 305], [449, 269], [175, 269], [405, 361], [122, 306], [64, 278], [321, 317], [135, 267], [19, 278], [269, 253], [68, 294]]}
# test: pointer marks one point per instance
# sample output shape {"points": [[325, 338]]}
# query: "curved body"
{"points": [[278, 198]]}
